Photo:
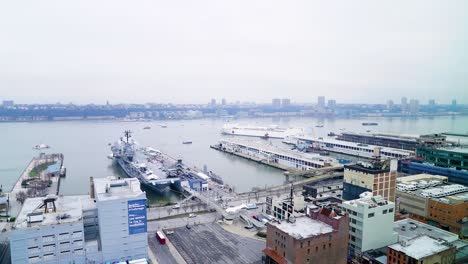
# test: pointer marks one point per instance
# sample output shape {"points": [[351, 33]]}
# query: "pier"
{"points": [[290, 161], [35, 173]]}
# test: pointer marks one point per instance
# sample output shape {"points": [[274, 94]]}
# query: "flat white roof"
{"points": [[318, 159], [369, 200], [68, 209], [111, 188], [420, 247], [422, 176], [304, 227], [409, 229], [356, 145]]}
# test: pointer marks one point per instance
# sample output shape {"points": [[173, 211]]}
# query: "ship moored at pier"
{"points": [[262, 132]]}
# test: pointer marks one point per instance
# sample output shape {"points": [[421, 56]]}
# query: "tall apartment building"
{"points": [[331, 104], [404, 105], [421, 250], [107, 226], [371, 223], [390, 105], [320, 237], [321, 101], [276, 102], [379, 179], [414, 106]]}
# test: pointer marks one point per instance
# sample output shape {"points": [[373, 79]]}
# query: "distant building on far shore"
{"points": [[8, 103]]}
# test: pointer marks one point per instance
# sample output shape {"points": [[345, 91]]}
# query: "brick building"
{"points": [[450, 213], [319, 237], [421, 250], [378, 179]]}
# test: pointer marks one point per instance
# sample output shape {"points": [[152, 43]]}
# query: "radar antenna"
{"points": [[128, 135]]}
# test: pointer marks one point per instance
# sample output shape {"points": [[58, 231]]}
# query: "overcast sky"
{"points": [[181, 51]]}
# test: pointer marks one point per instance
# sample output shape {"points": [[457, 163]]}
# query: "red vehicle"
{"points": [[161, 237]]}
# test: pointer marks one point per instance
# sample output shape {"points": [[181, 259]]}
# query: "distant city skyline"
{"points": [[190, 52]]}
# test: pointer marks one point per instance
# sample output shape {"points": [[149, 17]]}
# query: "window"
{"points": [[390, 210], [308, 251], [302, 244], [324, 246], [316, 249], [329, 245], [384, 211], [308, 243], [370, 215]]}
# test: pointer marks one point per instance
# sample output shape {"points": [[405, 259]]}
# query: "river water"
{"points": [[85, 145]]}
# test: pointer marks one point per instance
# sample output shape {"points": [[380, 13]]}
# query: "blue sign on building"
{"points": [[137, 217]]}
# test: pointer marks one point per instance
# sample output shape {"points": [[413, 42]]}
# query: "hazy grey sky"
{"points": [[190, 51]]}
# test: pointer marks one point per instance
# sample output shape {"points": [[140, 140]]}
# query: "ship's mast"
{"points": [[128, 134]]}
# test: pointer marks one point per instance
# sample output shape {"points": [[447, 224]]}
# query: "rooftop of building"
{"points": [[420, 247], [368, 200], [461, 150], [34, 212], [369, 169], [422, 177], [409, 229], [399, 137], [442, 192], [333, 140], [316, 158], [303, 227], [111, 188]]}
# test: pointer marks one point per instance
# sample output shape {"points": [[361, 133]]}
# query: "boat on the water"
{"points": [[187, 142], [41, 146], [319, 126], [370, 124], [133, 162], [262, 132], [163, 125], [147, 127]]}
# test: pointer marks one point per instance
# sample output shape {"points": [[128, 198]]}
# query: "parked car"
{"points": [[192, 215], [177, 206]]}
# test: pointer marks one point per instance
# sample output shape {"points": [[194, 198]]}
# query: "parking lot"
{"points": [[210, 243]]}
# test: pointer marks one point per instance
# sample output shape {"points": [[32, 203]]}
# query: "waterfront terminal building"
{"points": [[109, 225]]}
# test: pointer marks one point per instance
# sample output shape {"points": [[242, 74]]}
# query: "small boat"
{"points": [[319, 126], [163, 126], [331, 134], [368, 131], [147, 127], [41, 146], [187, 142], [370, 124], [63, 171], [342, 129]]}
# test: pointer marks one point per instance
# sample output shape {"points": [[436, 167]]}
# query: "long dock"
{"points": [[454, 134], [248, 157]]}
